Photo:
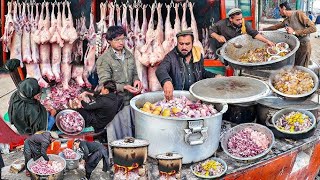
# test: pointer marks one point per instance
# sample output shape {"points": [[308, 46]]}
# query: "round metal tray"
{"points": [[233, 90], [64, 131]]}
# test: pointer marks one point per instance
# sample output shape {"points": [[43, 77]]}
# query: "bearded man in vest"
{"points": [[231, 27], [297, 23]]}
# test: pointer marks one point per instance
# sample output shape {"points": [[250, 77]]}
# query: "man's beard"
{"points": [[237, 26], [183, 55]]}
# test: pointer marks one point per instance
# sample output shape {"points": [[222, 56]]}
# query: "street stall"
{"points": [[196, 135]]}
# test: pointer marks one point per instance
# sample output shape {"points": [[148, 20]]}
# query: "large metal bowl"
{"points": [[56, 176], [312, 74], [71, 163], [282, 112], [59, 126], [230, 53], [234, 130]]}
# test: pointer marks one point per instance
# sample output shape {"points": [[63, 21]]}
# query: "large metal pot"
{"points": [[56, 176], [129, 152], [71, 163], [194, 138], [241, 113], [230, 53]]}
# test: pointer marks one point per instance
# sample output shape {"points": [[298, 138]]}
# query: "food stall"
{"points": [[198, 137]]}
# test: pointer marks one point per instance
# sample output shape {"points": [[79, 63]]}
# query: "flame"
{"points": [[126, 169], [167, 174]]}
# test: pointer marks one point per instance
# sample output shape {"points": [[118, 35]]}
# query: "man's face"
{"points": [[236, 20], [282, 11], [117, 43], [76, 145], [185, 44]]}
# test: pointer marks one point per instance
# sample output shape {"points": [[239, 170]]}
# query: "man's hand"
{"points": [[131, 89], [218, 76], [270, 43], [221, 39], [168, 90], [289, 30], [50, 162], [137, 84]]}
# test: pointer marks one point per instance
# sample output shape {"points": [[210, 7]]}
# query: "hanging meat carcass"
{"points": [[184, 25], [169, 41], [35, 54], [118, 10], [111, 14], [15, 46], [177, 23], [196, 41], [8, 29], [26, 48]]}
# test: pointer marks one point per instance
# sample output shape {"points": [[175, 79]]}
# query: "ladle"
{"points": [[237, 45]]}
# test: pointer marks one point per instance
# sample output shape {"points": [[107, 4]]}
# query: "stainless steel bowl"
{"points": [[231, 53], [234, 130], [71, 163], [63, 130], [282, 112], [312, 74]]}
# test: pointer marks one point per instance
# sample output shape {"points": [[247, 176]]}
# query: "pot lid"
{"points": [[129, 142], [235, 89], [280, 103], [169, 156]]}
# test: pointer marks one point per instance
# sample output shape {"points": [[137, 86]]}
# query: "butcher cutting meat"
{"points": [[36, 146], [182, 66], [118, 64], [102, 108]]}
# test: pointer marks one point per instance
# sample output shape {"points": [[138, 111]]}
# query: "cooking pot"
{"points": [[293, 135], [267, 107], [71, 163], [241, 113], [194, 138], [299, 96], [231, 53], [169, 163], [257, 127], [129, 152], [56, 176]]}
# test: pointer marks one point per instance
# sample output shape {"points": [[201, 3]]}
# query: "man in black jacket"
{"points": [[93, 152], [36, 146], [182, 66], [103, 107]]}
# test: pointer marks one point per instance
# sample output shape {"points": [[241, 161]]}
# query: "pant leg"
{"points": [[27, 152], [93, 161], [318, 30], [87, 116], [303, 54], [51, 122]]}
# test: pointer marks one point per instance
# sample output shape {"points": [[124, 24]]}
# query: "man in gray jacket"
{"points": [[118, 64]]}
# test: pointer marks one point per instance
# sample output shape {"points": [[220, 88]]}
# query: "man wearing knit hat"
{"points": [[182, 66], [233, 26], [297, 23]]}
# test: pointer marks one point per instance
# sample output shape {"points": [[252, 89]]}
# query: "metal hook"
{"points": [[171, 3]]}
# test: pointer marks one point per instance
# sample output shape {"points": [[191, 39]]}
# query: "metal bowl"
{"points": [[278, 114], [63, 130], [55, 176], [312, 74], [230, 53], [224, 164], [71, 163], [234, 130]]}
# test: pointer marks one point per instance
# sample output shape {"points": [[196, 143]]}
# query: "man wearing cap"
{"points": [[36, 146], [93, 152], [297, 23], [182, 66], [234, 26], [118, 64]]}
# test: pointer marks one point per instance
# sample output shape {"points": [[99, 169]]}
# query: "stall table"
{"points": [[288, 159]]}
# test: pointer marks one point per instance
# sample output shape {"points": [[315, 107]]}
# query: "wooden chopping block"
{"points": [[17, 166]]}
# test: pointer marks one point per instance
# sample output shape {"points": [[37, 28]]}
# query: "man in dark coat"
{"points": [[25, 112], [93, 152], [1, 164], [36, 146], [182, 66], [103, 107]]}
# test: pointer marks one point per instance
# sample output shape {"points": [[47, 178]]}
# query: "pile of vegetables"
{"points": [[180, 107], [208, 168], [294, 122]]}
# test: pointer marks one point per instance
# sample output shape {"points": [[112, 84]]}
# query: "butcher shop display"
{"points": [[69, 153], [180, 107], [293, 81], [209, 168], [294, 122], [248, 143], [70, 121], [42, 167], [263, 54]]}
